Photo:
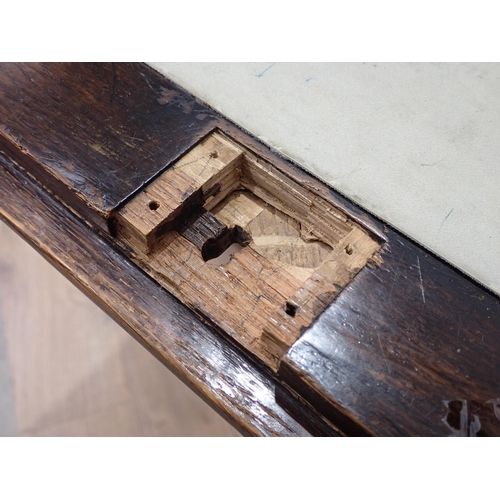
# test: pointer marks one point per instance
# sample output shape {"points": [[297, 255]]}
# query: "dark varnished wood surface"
{"points": [[215, 369], [408, 348], [405, 350], [95, 133]]}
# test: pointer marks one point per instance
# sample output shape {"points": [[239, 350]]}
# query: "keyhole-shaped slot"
{"points": [[226, 255], [220, 250]]}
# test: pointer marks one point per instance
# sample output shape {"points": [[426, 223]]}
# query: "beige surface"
{"points": [[416, 144], [66, 369]]}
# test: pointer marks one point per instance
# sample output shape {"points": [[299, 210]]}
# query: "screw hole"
{"points": [[214, 154], [154, 205], [348, 249], [290, 309]]}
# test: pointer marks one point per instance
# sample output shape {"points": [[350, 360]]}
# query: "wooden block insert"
{"points": [[202, 173], [299, 250]]}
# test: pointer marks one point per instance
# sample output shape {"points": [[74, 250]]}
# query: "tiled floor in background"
{"points": [[66, 369]]}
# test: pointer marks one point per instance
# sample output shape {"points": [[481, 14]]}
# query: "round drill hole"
{"points": [[348, 249], [290, 309], [154, 205], [214, 154]]}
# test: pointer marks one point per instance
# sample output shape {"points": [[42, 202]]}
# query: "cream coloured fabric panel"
{"points": [[416, 144]]}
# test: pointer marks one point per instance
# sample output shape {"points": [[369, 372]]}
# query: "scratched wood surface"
{"points": [[409, 348]]}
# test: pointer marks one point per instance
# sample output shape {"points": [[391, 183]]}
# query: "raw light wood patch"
{"points": [[275, 235], [299, 251]]}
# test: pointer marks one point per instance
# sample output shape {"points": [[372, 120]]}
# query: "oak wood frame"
{"points": [[403, 348]]}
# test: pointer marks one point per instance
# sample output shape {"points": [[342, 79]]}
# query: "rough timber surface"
{"points": [[253, 298], [225, 378]]}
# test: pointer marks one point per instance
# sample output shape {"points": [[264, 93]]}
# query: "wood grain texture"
{"points": [[95, 133], [409, 348], [74, 371], [211, 366], [210, 168], [274, 235], [258, 298]]}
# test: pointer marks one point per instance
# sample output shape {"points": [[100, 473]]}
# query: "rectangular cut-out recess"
{"points": [[299, 250]]}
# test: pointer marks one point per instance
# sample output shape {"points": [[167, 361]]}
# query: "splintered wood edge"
{"points": [[277, 310], [208, 172], [207, 363]]}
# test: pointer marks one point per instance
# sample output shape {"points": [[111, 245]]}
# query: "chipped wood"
{"points": [[379, 360], [299, 251], [203, 172]]}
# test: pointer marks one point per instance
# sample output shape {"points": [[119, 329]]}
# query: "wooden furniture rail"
{"points": [[284, 305]]}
